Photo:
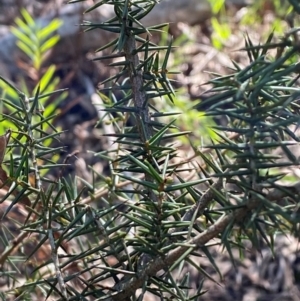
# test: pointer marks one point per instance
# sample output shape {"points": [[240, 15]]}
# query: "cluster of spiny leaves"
{"points": [[261, 107], [146, 197], [143, 224], [139, 202]]}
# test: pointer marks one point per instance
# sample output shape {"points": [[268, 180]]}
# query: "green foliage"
{"points": [[255, 13], [221, 33], [187, 119], [217, 5], [260, 101], [144, 225], [35, 42], [200, 126], [221, 28], [23, 180]]}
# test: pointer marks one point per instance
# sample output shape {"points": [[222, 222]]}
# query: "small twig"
{"points": [[67, 158], [138, 92], [38, 184], [55, 260], [32, 150], [13, 246], [104, 191], [106, 237], [203, 202]]}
